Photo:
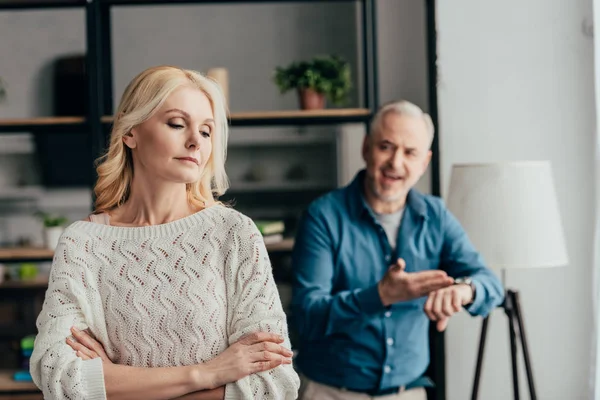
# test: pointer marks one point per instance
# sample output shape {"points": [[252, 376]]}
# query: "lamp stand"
{"points": [[512, 308]]}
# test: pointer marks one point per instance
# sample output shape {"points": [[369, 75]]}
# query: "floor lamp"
{"points": [[510, 212]]}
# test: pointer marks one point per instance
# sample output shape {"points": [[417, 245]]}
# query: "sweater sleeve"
{"points": [[254, 306], [54, 366]]}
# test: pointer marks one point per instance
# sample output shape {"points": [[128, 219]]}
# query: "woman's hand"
{"points": [[86, 346], [253, 353]]}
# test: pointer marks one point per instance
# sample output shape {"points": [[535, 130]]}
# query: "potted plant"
{"points": [[323, 77], [54, 226]]}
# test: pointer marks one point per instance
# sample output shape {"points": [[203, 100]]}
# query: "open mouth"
{"points": [[392, 177]]}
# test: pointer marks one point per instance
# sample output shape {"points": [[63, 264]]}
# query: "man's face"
{"points": [[397, 154]]}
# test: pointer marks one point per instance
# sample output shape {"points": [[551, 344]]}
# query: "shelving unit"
{"points": [[42, 124], [31, 254], [25, 254], [99, 107], [9, 389]]}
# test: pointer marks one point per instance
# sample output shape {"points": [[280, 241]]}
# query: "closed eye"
{"points": [[175, 126], [205, 134]]}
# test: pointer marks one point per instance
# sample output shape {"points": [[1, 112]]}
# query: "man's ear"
{"points": [[427, 160], [130, 139], [366, 147]]}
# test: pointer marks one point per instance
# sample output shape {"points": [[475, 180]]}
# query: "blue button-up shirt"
{"points": [[347, 337]]}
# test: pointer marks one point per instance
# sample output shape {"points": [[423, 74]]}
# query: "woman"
{"points": [[175, 288]]}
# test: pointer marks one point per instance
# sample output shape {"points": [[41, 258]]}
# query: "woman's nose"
{"points": [[193, 140]]}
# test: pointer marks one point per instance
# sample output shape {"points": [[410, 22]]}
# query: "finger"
{"points": [[437, 306], [267, 365], [72, 343], [429, 306], [401, 264], [456, 303], [88, 341], [429, 275], [84, 338], [87, 352], [257, 337], [398, 267], [271, 347], [447, 304], [442, 324], [434, 284], [77, 346], [268, 356], [82, 356]]}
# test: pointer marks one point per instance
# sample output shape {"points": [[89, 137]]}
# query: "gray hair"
{"points": [[403, 107]]}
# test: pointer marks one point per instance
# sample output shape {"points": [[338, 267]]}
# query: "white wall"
{"points": [[516, 82]]}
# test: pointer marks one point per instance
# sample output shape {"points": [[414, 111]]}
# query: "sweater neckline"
{"points": [[136, 232]]}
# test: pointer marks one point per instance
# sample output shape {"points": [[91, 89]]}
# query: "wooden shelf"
{"points": [[15, 255], [292, 117], [25, 254], [41, 123], [300, 117], [254, 118], [285, 245], [244, 141], [331, 113], [8, 384], [273, 186], [163, 2]]}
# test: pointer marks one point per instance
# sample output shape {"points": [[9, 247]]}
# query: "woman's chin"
{"points": [[185, 178]]}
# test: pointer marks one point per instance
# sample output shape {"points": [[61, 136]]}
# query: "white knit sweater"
{"points": [[166, 295]]}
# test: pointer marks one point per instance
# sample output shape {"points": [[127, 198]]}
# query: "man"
{"points": [[373, 263]]}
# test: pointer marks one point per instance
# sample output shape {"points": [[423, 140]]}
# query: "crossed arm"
{"points": [[252, 354]]}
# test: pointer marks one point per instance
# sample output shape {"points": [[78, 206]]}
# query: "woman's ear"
{"points": [[130, 139]]}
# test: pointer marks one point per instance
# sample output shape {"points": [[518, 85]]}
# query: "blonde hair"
{"points": [[403, 107], [144, 95]]}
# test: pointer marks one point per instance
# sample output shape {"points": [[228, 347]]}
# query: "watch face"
{"points": [[466, 281]]}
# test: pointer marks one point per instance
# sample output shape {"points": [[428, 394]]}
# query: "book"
{"points": [[274, 238], [270, 227]]}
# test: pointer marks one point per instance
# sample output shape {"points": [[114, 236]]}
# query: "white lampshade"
{"points": [[510, 213]]}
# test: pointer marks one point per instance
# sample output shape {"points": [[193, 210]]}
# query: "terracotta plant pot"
{"points": [[311, 100]]}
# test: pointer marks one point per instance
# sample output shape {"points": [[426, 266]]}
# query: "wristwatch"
{"points": [[466, 281]]}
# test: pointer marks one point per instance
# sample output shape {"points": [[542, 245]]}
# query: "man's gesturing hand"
{"points": [[399, 285]]}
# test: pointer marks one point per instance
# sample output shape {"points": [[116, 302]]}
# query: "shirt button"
{"points": [[388, 258], [387, 369], [388, 314], [390, 341]]}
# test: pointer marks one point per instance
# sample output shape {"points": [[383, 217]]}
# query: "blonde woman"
{"points": [[166, 292]]}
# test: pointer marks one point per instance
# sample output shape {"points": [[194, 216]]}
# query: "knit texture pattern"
{"points": [[166, 295]]}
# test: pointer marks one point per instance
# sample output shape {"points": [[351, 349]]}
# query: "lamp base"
{"points": [[512, 308]]}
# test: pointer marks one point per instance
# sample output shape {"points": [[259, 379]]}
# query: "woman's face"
{"points": [[176, 143]]}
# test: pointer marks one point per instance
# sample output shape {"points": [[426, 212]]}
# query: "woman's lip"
{"points": [[192, 159]]}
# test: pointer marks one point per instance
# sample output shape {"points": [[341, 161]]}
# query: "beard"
{"points": [[379, 193]]}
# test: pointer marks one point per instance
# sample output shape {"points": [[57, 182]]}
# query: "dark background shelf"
{"points": [[40, 4]]}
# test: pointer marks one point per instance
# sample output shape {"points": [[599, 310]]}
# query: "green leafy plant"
{"points": [[51, 220], [328, 75]]}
